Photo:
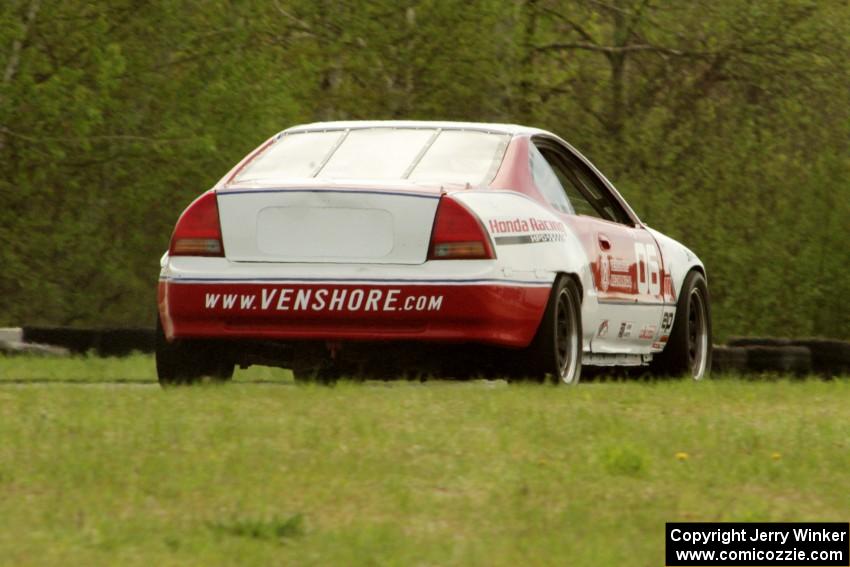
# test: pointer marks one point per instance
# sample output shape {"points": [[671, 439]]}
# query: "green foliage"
{"points": [[725, 124]]}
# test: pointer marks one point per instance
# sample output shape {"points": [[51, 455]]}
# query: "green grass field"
{"points": [[441, 473]]}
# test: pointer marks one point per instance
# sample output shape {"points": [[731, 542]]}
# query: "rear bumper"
{"points": [[455, 309]]}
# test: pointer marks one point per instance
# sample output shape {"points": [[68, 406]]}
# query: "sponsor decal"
{"points": [[322, 299], [663, 339], [604, 273], [525, 225], [620, 265], [657, 345], [603, 329], [625, 330], [531, 238], [621, 280], [527, 230], [667, 322], [648, 332], [614, 273]]}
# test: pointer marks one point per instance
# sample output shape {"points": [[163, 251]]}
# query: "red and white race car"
{"points": [[347, 246]]}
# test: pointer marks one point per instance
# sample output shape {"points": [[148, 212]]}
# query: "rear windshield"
{"points": [[418, 154]]}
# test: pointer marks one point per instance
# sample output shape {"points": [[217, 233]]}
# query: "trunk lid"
{"points": [[328, 224]]}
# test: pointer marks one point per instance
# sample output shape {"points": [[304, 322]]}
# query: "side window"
{"points": [[584, 192], [592, 187], [548, 182], [579, 202], [559, 188]]}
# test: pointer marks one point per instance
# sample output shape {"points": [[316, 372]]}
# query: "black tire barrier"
{"points": [[759, 341], [829, 357], [103, 342], [784, 359], [728, 360]]}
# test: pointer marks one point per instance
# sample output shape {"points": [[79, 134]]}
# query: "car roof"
{"points": [[512, 129]]}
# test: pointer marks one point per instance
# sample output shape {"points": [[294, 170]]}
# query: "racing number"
{"points": [[648, 270]]}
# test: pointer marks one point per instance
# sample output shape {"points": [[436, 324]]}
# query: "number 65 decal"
{"points": [[648, 270]]}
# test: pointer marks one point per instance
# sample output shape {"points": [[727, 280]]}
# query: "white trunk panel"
{"points": [[326, 226]]}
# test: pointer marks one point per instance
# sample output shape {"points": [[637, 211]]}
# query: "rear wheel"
{"points": [[556, 349], [688, 351], [188, 361]]}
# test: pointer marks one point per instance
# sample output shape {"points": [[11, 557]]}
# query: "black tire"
{"points": [[829, 357], [182, 362], [795, 360], [688, 350], [557, 347], [759, 341], [728, 360]]}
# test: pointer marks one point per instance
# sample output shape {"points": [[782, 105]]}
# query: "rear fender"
{"points": [[531, 242]]}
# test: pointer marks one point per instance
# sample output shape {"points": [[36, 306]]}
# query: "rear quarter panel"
{"points": [[531, 242]]}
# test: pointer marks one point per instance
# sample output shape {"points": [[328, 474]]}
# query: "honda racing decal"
{"points": [[527, 230]]}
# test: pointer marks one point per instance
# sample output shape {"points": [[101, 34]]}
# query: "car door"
{"points": [[626, 261]]}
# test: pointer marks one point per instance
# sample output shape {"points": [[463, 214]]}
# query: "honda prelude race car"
{"points": [[341, 246]]}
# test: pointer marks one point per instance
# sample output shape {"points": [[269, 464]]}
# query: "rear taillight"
{"points": [[198, 231], [458, 234]]}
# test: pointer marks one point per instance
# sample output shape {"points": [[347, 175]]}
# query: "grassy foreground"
{"points": [[399, 474]]}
